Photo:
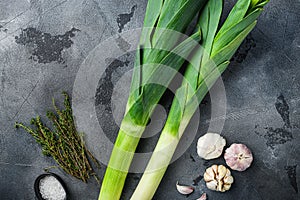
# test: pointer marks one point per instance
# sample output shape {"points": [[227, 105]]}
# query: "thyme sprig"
{"points": [[63, 142]]}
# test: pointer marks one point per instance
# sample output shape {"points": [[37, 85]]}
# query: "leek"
{"points": [[219, 47], [170, 15]]}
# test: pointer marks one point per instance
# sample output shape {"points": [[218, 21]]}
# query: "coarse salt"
{"points": [[51, 189]]}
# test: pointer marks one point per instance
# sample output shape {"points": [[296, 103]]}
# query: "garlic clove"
{"points": [[210, 146], [208, 177], [184, 189], [215, 168], [226, 187], [228, 173], [228, 180], [220, 185], [203, 197], [221, 171], [238, 157], [209, 174], [212, 185]]}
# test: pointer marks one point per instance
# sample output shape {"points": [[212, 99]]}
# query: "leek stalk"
{"points": [[219, 47], [170, 15]]}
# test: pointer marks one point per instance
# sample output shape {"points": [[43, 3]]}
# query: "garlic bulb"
{"points": [[210, 146], [238, 157], [218, 178]]}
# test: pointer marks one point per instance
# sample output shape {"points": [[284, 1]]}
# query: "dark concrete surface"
{"points": [[43, 43]]}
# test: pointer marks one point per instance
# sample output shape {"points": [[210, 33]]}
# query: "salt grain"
{"points": [[51, 189]]}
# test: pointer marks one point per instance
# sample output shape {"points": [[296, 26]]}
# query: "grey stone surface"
{"points": [[43, 43]]}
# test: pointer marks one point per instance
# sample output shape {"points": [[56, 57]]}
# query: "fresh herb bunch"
{"points": [[63, 143]]}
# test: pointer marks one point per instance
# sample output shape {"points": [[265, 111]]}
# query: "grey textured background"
{"points": [[43, 43]]}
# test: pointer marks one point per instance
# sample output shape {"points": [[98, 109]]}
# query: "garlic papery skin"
{"points": [[184, 189], [238, 157], [218, 178], [210, 146]]}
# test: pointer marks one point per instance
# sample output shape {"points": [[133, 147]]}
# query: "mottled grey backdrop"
{"points": [[43, 43]]}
